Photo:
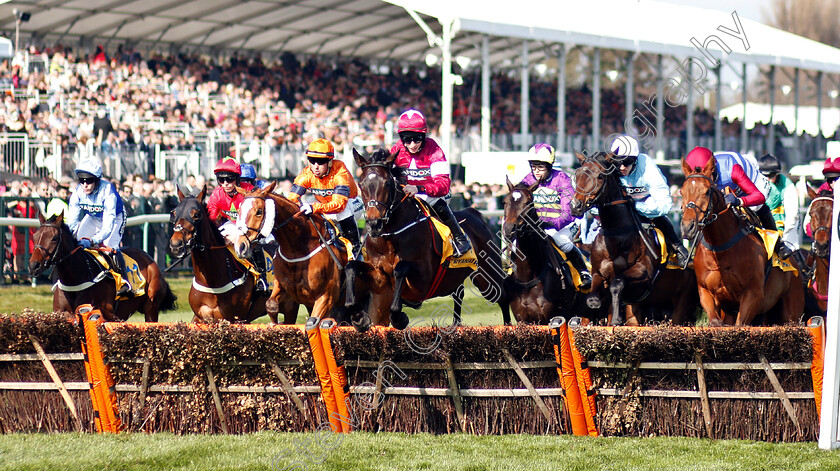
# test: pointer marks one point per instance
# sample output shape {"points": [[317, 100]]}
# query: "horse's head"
{"points": [[519, 209], [378, 187], [701, 200], [48, 240], [821, 210], [257, 214], [590, 180], [186, 220]]}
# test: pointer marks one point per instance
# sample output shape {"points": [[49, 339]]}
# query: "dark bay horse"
{"points": [[626, 258], [84, 280], [537, 290], [404, 250], [821, 212], [306, 267], [734, 276], [222, 287]]}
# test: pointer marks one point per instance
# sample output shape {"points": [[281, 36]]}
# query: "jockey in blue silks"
{"points": [[249, 175], [552, 200], [96, 215], [646, 184]]}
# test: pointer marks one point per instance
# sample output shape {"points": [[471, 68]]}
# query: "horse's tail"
{"points": [[169, 302]]}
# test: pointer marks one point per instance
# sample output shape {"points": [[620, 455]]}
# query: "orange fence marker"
{"points": [[816, 325], [102, 391], [566, 369], [323, 370], [338, 376], [584, 380]]}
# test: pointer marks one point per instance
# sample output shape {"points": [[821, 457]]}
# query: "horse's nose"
{"points": [[176, 249], [34, 266], [375, 226], [576, 207]]}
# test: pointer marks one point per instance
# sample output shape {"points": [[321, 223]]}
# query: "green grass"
{"points": [[477, 311], [393, 451]]}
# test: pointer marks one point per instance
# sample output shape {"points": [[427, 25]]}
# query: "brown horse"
{"points": [[84, 281], [734, 276], [307, 267], [821, 211], [625, 256], [538, 289], [404, 250], [222, 287]]}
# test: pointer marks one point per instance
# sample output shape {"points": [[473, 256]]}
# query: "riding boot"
{"points": [[460, 241], [673, 240], [576, 257], [783, 250], [258, 258], [350, 231], [119, 261]]}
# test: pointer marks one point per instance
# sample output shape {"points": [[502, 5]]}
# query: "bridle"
{"points": [[523, 217], [392, 194], [266, 208], [193, 242], [49, 259], [822, 252], [709, 216]]}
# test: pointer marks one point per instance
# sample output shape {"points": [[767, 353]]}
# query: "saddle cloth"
{"points": [[132, 268], [769, 237], [269, 266], [468, 260], [665, 257]]}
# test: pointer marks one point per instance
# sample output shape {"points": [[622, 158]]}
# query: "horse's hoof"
{"points": [[593, 302], [361, 322], [399, 320], [272, 307]]}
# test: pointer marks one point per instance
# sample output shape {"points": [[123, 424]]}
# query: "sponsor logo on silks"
{"points": [[92, 208], [358, 204], [418, 172], [232, 213], [323, 191], [637, 192], [546, 198]]}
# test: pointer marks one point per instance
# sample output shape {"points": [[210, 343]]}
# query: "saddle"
{"points": [[769, 238], [252, 269], [447, 256], [132, 268], [558, 256]]}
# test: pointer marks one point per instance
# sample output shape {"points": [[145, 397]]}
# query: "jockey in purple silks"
{"points": [[552, 200]]}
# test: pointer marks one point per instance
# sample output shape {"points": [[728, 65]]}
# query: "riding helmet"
{"points": [[769, 165], [320, 149], [542, 153]]}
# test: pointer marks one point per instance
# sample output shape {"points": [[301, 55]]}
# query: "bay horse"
{"points": [[82, 280], [306, 267], [537, 290], [626, 258], [404, 250], [222, 287], [821, 212], [735, 279]]}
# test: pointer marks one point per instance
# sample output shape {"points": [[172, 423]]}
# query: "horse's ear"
{"points": [[41, 217], [509, 184], [357, 157], [241, 191], [181, 195], [202, 194], [391, 158], [812, 193], [580, 156], [59, 218], [534, 186], [709, 168], [686, 168], [270, 188]]}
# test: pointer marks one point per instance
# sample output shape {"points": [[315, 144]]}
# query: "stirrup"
{"points": [[461, 245], [125, 290], [262, 286], [784, 251], [585, 280]]}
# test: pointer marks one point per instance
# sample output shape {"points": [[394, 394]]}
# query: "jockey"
{"points": [[97, 217], [552, 199], [749, 187], [422, 161], [223, 209], [646, 184], [831, 172], [249, 176], [334, 188], [786, 212]]}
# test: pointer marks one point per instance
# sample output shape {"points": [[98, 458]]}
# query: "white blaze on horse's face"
{"points": [[516, 195]]}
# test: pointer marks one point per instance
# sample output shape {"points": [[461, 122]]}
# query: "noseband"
{"points": [[392, 193]]}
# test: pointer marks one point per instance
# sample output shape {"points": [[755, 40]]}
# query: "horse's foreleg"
{"points": [[749, 307], [616, 286], [633, 313], [709, 304], [272, 305], [458, 298], [350, 284], [400, 274]]}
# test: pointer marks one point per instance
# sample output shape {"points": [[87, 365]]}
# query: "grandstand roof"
{"points": [[383, 29]]}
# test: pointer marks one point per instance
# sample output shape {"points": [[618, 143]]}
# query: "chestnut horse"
{"points": [[626, 257], [222, 287], [307, 267], [537, 289], [404, 250], [84, 281], [734, 276], [821, 211]]}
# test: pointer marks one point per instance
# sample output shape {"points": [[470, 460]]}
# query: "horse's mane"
{"points": [[379, 156], [825, 193]]}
